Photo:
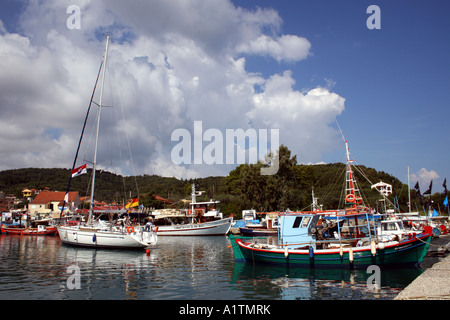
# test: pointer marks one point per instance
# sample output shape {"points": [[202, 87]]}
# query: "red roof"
{"points": [[53, 196]]}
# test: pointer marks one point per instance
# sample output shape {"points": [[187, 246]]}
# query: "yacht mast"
{"points": [[98, 128]]}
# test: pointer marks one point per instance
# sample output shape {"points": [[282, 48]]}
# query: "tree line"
{"points": [[243, 188]]}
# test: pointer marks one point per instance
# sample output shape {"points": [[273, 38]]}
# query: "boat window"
{"points": [[297, 222], [305, 222], [389, 227]]}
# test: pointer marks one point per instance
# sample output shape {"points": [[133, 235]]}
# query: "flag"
{"points": [[435, 213], [429, 188], [446, 201], [418, 193], [445, 187], [79, 171], [133, 203]]}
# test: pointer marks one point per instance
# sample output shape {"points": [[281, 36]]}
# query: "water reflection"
{"points": [[304, 283], [177, 268]]}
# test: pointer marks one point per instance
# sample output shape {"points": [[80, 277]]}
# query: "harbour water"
{"points": [[178, 268]]}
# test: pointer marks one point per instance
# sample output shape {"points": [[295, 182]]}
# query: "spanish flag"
{"points": [[133, 203]]}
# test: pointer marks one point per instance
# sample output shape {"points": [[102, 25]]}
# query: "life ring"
{"points": [[130, 229], [350, 198], [189, 212]]}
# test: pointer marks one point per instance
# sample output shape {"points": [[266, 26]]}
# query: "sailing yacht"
{"points": [[100, 233]]}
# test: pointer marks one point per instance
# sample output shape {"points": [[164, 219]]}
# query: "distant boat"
{"points": [[202, 219], [262, 224], [102, 234], [342, 238], [36, 228]]}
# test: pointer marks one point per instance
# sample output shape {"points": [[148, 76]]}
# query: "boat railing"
{"points": [[325, 244]]}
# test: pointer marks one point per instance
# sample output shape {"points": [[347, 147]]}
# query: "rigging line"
{"points": [[81, 138], [340, 130], [126, 137], [112, 79], [384, 197]]}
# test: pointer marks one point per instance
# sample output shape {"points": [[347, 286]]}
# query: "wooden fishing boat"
{"points": [[343, 238], [36, 229], [301, 247]]}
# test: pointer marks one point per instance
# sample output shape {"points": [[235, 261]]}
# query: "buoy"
{"points": [[341, 251], [381, 246], [229, 246], [148, 252], [373, 248], [94, 238], [350, 198], [311, 252], [350, 255], [286, 252]]}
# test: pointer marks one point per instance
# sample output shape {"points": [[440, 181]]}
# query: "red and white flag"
{"points": [[78, 171]]}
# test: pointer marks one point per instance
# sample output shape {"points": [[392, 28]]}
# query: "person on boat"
{"points": [[148, 225]]}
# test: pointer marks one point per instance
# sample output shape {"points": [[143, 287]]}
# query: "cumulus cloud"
{"points": [[171, 63], [424, 176], [303, 119]]}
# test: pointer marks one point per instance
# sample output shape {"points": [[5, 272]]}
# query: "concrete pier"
{"points": [[434, 283]]}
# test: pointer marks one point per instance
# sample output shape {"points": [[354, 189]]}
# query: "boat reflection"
{"points": [[279, 282], [102, 270]]}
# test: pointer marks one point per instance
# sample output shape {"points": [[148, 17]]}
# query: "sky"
{"points": [[304, 68]]}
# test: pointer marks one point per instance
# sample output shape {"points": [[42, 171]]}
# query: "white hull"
{"points": [[211, 228], [92, 237]]}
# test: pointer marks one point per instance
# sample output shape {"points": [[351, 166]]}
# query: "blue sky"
{"points": [[395, 80], [291, 65]]}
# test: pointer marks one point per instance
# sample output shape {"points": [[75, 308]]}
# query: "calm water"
{"points": [[191, 268]]}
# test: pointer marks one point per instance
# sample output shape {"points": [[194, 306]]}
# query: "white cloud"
{"points": [[170, 63], [303, 119], [424, 177], [286, 47]]}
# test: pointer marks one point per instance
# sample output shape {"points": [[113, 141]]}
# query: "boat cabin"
{"points": [[322, 230], [296, 230], [391, 227]]}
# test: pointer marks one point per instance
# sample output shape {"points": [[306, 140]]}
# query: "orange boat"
{"points": [[38, 230]]}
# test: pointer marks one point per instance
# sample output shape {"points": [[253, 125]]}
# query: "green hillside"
{"points": [[243, 188]]}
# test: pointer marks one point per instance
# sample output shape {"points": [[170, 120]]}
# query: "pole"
{"points": [[409, 194], [98, 129]]}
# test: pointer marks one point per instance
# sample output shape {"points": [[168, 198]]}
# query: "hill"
{"points": [[243, 188]]}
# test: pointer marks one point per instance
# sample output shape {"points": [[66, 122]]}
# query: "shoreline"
{"points": [[434, 282]]}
